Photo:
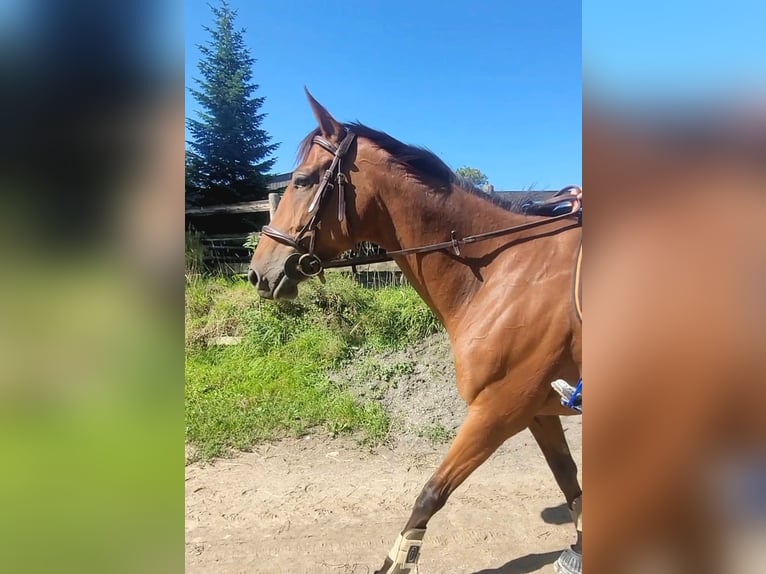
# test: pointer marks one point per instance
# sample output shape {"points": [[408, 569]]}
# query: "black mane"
{"points": [[425, 165]]}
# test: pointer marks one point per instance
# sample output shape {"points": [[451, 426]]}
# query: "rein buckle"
{"points": [[455, 244]]}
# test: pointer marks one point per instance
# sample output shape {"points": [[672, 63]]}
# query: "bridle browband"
{"points": [[305, 263]]}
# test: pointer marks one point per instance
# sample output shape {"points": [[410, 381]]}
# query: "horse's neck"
{"points": [[418, 218]]}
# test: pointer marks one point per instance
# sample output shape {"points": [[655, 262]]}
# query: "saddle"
{"points": [[562, 201]]}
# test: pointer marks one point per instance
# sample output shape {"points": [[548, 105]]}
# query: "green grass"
{"points": [[437, 434], [275, 382]]}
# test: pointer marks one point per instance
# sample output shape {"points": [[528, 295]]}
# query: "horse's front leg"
{"points": [[549, 435], [481, 433]]}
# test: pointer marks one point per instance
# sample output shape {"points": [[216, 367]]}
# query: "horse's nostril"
{"points": [[252, 276]]}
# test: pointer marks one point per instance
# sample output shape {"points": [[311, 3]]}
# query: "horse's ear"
{"points": [[328, 125]]}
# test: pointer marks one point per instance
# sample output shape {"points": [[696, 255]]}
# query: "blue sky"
{"points": [[494, 85], [682, 50]]}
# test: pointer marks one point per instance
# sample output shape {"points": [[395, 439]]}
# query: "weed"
{"points": [[436, 434]]}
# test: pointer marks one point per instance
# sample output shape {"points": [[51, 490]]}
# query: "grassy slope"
{"points": [[274, 383]]}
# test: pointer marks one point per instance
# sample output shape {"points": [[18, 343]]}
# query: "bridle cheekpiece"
{"points": [[305, 263]]}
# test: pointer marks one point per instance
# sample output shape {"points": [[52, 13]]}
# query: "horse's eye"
{"points": [[301, 181]]}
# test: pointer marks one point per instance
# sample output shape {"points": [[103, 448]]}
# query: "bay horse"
{"points": [[505, 299]]}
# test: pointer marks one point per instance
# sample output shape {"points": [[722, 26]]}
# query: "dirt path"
{"points": [[320, 505]]}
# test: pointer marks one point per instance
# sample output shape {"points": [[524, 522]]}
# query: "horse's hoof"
{"points": [[570, 562]]}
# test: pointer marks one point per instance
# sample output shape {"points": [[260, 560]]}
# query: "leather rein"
{"points": [[305, 263]]}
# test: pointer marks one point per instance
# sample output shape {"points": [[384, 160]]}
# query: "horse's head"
{"points": [[310, 225]]}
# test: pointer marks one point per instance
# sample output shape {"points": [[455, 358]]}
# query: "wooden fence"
{"points": [[227, 253], [260, 206]]}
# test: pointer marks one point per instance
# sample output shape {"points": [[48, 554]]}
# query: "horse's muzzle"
{"points": [[279, 287]]}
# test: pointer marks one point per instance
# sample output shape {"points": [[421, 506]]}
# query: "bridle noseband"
{"points": [[305, 262]]}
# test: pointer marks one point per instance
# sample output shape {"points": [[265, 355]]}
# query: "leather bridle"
{"points": [[305, 263]]}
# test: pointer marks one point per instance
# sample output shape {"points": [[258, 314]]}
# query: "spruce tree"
{"points": [[228, 157]]}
